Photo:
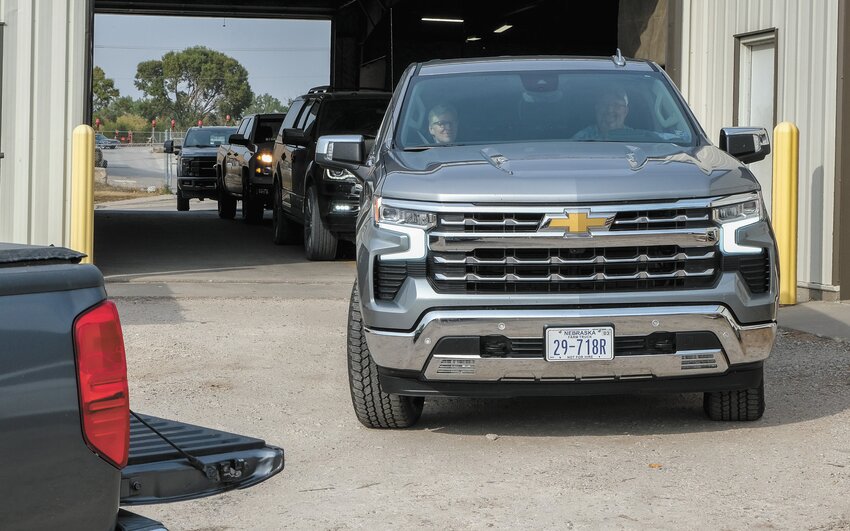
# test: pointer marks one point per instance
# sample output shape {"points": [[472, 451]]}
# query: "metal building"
{"points": [[738, 62]]}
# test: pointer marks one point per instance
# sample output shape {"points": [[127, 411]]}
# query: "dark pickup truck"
{"points": [[243, 167], [73, 450]]}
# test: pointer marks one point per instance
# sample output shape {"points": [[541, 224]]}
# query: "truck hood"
{"points": [[197, 152], [564, 172]]}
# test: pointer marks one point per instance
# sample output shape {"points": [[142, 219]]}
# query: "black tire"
{"points": [[226, 203], [373, 407], [283, 231], [182, 202], [740, 405], [319, 242]]}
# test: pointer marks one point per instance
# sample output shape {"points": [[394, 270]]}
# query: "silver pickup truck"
{"points": [[555, 226]]}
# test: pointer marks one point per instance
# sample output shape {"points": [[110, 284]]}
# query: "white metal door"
{"points": [[756, 92]]}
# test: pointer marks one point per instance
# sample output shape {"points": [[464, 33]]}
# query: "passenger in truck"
{"points": [[442, 123], [612, 108]]}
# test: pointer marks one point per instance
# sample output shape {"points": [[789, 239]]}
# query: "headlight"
{"points": [[400, 216], [750, 209], [265, 158], [338, 175], [733, 213]]}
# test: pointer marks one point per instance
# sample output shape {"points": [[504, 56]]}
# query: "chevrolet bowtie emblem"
{"points": [[576, 223]]}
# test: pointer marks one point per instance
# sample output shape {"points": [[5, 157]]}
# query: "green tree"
{"points": [[103, 90], [265, 103], [194, 84]]}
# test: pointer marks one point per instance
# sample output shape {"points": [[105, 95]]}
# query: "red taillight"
{"points": [[102, 381]]}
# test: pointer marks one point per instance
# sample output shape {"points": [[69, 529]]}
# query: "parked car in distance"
{"points": [[555, 226], [107, 143], [243, 167], [318, 202], [196, 161]]}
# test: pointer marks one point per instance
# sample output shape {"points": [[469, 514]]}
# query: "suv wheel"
{"points": [[319, 242], [226, 203], [373, 407], [282, 229], [742, 405], [182, 202]]}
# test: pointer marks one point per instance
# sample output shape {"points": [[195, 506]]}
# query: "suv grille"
{"points": [[592, 269], [505, 222]]}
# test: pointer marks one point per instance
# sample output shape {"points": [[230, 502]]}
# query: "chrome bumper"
{"points": [[411, 351]]}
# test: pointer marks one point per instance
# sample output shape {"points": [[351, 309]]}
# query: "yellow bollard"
{"points": [[82, 191], [786, 144]]}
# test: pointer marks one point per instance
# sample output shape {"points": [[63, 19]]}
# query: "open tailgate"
{"points": [[156, 472]]}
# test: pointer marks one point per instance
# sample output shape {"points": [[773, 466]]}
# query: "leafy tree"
{"points": [[132, 122], [265, 103], [120, 106], [103, 90], [194, 84]]}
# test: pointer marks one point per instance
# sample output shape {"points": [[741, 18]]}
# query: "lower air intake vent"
{"points": [[389, 276]]}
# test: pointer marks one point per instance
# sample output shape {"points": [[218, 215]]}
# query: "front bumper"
{"points": [[199, 187], [414, 352]]}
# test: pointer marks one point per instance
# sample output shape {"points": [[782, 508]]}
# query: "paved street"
{"points": [[225, 329], [135, 167]]}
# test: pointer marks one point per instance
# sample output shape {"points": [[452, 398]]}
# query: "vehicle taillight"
{"points": [[102, 381]]}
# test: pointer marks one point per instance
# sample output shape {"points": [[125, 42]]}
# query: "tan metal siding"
{"points": [[43, 99], [807, 47]]}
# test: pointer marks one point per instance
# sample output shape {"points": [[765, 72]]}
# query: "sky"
{"points": [[283, 58]]}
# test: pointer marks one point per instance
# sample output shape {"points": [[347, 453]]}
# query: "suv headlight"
{"points": [[266, 158], [338, 175], [735, 212], [401, 216]]}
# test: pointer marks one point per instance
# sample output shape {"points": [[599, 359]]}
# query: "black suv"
{"points": [[325, 202]]}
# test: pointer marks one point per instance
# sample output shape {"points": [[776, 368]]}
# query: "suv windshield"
{"points": [[577, 106], [360, 116], [208, 137]]}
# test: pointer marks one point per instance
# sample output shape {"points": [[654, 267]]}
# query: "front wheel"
{"points": [[319, 242], [282, 230], [739, 405], [374, 408], [182, 202], [226, 203]]}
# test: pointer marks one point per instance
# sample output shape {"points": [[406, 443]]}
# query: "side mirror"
{"points": [[341, 152], [239, 140], [747, 144], [168, 146], [295, 137]]}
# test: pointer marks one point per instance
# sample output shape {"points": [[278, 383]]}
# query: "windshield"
{"points": [[208, 136], [361, 116], [577, 106]]}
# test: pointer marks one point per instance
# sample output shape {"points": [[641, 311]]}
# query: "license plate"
{"points": [[579, 343]]}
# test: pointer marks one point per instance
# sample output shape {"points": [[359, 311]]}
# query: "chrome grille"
{"points": [[573, 270], [626, 220]]}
